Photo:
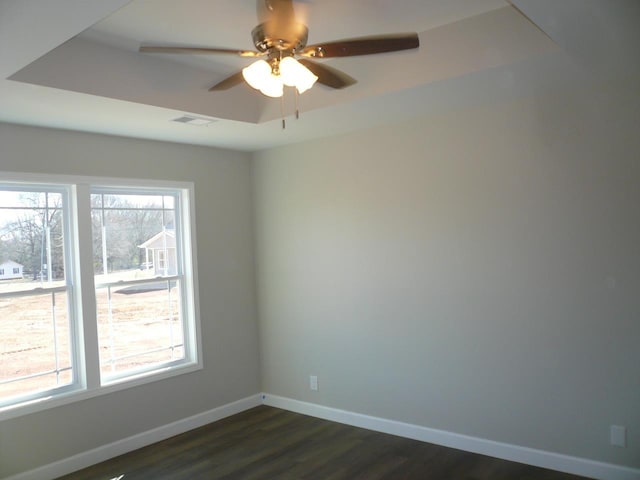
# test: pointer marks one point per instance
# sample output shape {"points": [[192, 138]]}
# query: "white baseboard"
{"points": [[100, 454], [539, 458], [515, 453]]}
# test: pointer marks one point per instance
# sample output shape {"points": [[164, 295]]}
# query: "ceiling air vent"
{"points": [[191, 120]]}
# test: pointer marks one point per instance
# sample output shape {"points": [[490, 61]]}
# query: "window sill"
{"points": [[58, 400]]}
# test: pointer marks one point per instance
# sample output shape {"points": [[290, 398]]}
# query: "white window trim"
{"points": [[88, 368]]}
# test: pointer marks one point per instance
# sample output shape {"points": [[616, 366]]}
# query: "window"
{"points": [[140, 321], [145, 317], [35, 321]]}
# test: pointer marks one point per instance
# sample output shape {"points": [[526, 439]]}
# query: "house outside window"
{"points": [[162, 249]]}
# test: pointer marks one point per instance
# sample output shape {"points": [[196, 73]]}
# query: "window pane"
{"points": [[130, 235], [139, 326], [31, 240], [36, 347]]}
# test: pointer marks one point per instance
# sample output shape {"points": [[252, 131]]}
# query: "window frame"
{"points": [[82, 306], [178, 276], [69, 287]]}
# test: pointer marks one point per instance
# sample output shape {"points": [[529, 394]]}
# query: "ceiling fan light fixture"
{"points": [[294, 74], [257, 74], [272, 86], [270, 79]]}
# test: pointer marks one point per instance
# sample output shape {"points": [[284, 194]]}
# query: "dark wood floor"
{"points": [[268, 443]]}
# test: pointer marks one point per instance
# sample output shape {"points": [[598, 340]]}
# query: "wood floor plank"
{"points": [[266, 443]]}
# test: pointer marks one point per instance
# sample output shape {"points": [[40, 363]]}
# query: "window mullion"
{"points": [[88, 353], [172, 341], [47, 233], [112, 340], [55, 337]]}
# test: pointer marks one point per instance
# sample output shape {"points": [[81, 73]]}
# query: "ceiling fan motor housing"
{"points": [[280, 36]]}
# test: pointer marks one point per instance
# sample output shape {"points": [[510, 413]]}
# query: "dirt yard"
{"points": [[140, 324]]}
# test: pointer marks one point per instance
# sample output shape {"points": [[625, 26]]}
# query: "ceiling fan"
{"points": [[279, 39]]}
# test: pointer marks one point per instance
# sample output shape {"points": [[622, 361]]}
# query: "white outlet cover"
{"points": [[313, 382], [618, 436]]}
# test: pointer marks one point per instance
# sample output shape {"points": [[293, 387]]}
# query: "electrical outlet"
{"points": [[313, 383], [618, 436]]}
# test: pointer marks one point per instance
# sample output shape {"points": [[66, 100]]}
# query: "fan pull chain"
{"points": [[297, 110], [284, 123]]}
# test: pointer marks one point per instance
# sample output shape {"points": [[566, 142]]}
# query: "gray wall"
{"points": [[227, 297], [478, 272]]}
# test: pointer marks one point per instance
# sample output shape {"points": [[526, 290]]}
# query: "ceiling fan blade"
{"points": [[228, 82], [329, 76], [198, 50], [363, 46]]}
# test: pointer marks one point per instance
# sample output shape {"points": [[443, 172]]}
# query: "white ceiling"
{"points": [[74, 64]]}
